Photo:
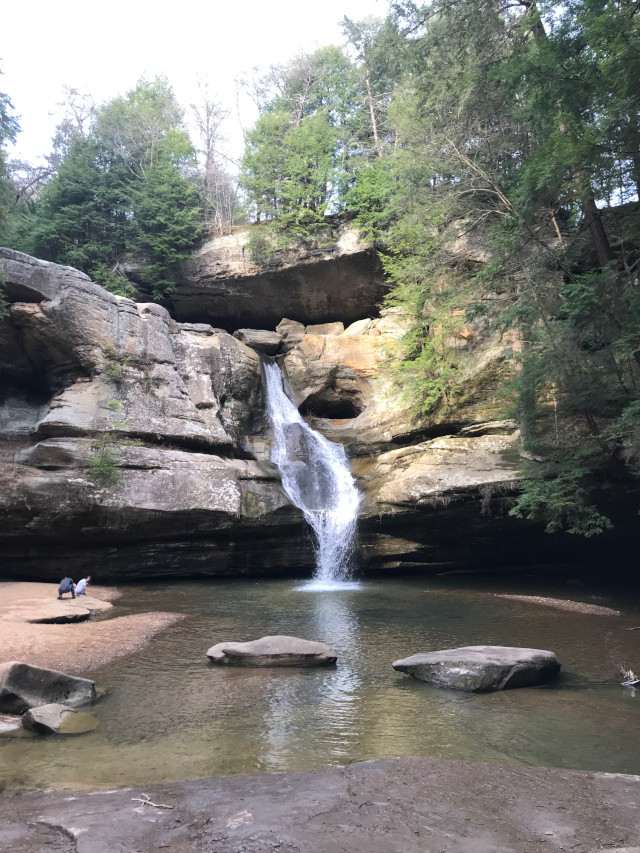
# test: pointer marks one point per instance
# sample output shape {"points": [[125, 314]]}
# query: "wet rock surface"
{"points": [[411, 805], [272, 651], [482, 669], [23, 686]]}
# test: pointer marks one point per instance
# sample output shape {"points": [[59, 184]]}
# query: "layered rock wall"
{"points": [[135, 445], [222, 285]]}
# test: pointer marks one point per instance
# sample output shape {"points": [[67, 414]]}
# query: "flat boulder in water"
{"points": [[273, 651], [23, 686], [58, 719], [482, 669]]}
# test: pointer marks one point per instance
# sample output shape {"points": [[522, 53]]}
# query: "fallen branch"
{"points": [[146, 801], [630, 678]]}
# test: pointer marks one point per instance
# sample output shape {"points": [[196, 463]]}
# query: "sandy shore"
{"points": [[74, 648], [563, 604]]}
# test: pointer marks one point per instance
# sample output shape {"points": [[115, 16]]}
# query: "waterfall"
{"points": [[316, 478]]}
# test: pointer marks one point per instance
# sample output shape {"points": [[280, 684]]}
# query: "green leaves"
{"points": [[123, 191], [562, 496], [166, 218]]}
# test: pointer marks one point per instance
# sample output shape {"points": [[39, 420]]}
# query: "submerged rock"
{"points": [[23, 686], [10, 725], [273, 651], [482, 669], [58, 719]]}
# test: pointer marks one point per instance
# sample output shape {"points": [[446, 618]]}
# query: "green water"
{"points": [[169, 714]]}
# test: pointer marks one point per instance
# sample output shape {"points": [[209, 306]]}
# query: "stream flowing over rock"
{"points": [[134, 445]]}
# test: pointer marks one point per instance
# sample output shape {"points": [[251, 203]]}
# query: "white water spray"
{"points": [[316, 478]]}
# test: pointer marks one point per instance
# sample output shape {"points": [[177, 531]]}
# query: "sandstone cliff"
{"points": [[132, 444], [221, 284]]}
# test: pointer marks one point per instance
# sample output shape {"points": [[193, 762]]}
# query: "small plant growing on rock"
{"points": [[104, 462], [114, 362]]}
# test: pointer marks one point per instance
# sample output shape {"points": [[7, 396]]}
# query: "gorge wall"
{"points": [[135, 445]]}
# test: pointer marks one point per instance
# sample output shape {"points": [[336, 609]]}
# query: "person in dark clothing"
{"points": [[66, 585]]}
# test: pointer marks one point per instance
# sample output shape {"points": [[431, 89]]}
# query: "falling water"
{"points": [[316, 478]]}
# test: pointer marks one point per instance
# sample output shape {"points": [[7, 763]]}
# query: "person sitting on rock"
{"points": [[82, 585], [66, 585]]}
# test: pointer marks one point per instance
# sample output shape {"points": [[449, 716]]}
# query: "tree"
{"points": [[218, 188], [297, 156], [166, 214], [521, 128], [124, 188], [9, 129]]}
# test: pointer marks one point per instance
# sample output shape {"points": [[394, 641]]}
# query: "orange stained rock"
{"points": [[362, 355]]}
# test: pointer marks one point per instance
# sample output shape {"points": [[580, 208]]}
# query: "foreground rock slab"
{"points": [[273, 651], [23, 686], [482, 669], [407, 805]]}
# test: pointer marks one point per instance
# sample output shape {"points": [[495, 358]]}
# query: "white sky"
{"points": [[104, 48]]}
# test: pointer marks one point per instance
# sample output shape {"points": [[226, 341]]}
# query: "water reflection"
{"points": [[321, 703]]}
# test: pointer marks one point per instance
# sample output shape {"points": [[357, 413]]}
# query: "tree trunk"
{"points": [[597, 231], [374, 123]]}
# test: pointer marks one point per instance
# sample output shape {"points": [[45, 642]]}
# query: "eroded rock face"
{"points": [[167, 405], [175, 412], [273, 651], [222, 285], [444, 469], [482, 669], [23, 686]]}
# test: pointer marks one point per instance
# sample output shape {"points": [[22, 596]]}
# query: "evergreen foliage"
{"points": [[9, 128], [122, 191], [516, 124]]}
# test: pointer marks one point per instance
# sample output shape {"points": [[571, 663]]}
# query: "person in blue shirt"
{"points": [[82, 585], [66, 585]]}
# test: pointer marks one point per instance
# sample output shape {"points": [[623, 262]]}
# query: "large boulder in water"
{"points": [[482, 669], [273, 651], [23, 686]]}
